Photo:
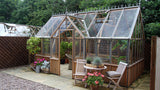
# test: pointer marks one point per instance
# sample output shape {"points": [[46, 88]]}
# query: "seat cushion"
{"points": [[113, 74]]}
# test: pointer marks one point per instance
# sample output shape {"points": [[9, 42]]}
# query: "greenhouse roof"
{"points": [[8, 29], [118, 23]]}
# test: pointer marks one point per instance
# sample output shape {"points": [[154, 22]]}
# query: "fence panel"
{"points": [[13, 51]]}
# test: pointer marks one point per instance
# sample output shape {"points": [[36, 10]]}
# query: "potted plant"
{"points": [[94, 80], [97, 61], [38, 64], [63, 49], [89, 61]]}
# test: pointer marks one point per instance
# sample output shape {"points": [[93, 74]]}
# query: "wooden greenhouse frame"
{"points": [[109, 34]]}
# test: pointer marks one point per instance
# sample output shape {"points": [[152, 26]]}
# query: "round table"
{"points": [[92, 68]]}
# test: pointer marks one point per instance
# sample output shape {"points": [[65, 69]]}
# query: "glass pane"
{"points": [[55, 47], [55, 25], [81, 16], [89, 19], [126, 23], [80, 25], [95, 27], [50, 26], [46, 46], [104, 50], [119, 51], [110, 24]]}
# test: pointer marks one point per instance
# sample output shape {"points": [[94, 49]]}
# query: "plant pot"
{"points": [[94, 87], [66, 60], [62, 61], [89, 65], [38, 68]]}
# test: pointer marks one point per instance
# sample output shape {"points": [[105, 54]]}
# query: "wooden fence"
{"points": [[147, 54], [155, 61], [13, 51]]}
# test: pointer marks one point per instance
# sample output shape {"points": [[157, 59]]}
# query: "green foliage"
{"points": [[33, 45], [89, 60], [65, 47], [70, 46], [120, 58], [150, 11], [6, 9], [94, 78], [72, 5], [46, 45], [152, 29], [122, 44], [97, 61]]}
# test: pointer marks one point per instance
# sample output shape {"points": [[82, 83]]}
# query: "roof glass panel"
{"points": [[50, 26], [80, 25], [126, 22], [110, 23], [95, 27], [88, 19], [82, 16]]}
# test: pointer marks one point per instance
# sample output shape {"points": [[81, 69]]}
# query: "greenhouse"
{"points": [[114, 35]]}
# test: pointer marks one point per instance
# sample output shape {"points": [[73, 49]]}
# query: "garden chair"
{"points": [[80, 70], [70, 61], [115, 76]]}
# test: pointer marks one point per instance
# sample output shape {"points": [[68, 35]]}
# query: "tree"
{"points": [[152, 29], [73, 5], [6, 8], [150, 11]]}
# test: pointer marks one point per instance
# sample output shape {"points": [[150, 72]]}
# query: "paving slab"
{"points": [[65, 81]]}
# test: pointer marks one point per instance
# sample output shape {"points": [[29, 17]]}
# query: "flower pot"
{"points": [[66, 60], [38, 68], [94, 87], [62, 61]]}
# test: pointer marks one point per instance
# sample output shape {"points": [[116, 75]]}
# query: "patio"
{"points": [[64, 82]]}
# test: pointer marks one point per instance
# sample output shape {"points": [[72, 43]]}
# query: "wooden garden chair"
{"points": [[116, 76], [80, 70], [70, 61]]}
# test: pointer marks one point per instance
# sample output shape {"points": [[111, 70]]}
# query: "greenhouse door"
{"points": [[66, 51]]}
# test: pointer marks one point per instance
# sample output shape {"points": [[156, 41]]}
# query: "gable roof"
{"points": [[116, 23]]}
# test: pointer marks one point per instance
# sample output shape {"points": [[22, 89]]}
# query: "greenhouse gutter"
{"points": [[109, 38], [43, 36]]}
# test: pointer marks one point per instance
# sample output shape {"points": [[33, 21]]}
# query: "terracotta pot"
{"points": [[93, 87], [66, 60]]}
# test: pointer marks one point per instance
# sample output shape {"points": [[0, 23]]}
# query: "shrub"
{"points": [[152, 29], [33, 45]]}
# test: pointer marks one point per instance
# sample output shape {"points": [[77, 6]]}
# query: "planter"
{"points": [[93, 87], [95, 66], [66, 60], [38, 68]]}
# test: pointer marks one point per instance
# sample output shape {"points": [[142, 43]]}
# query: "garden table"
{"points": [[93, 68]]}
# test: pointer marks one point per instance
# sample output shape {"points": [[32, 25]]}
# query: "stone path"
{"points": [[59, 82], [64, 82], [142, 83]]}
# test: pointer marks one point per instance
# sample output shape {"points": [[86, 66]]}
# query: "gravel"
{"points": [[10, 82]]}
